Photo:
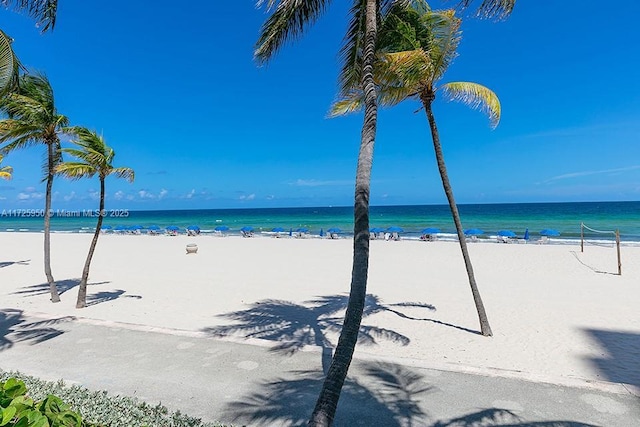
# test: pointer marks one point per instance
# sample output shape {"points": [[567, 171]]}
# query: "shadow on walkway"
{"points": [[286, 401], [295, 326], [14, 328], [502, 418], [62, 285], [620, 362], [8, 263]]}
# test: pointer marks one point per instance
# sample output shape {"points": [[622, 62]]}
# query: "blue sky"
{"points": [[176, 93]]}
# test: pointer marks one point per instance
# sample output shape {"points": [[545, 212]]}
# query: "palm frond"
{"points": [[5, 171], [123, 172], [444, 38], [43, 11], [75, 170], [352, 50], [350, 103], [409, 69], [476, 96], [288, 21], [498, 9], [9, 65], [20, 137]]}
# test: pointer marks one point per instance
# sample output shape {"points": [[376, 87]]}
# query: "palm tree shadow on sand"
{"points": [[295, 326], [395, 402], [106, 296], [9, 263], [14, 328], [62, 285]]}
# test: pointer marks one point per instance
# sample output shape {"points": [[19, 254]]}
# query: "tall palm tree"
{"points": [[44, 12], [5, 171], [420, 47], [94, 158], [32, 119], [289, 20]]}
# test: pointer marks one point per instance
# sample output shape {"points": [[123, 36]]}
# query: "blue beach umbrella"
{"points": [[221, 228], [395, 229], [376, 230], [549, 232], [120, 228], [153, 227], [246, 229], [334, 230], [277, 230], [430, 230], [136, 227], [105, 227], [321, 232], [526, 234], [506, 233], [473, 232], [193, 228], [302, 230], [172, 228]]}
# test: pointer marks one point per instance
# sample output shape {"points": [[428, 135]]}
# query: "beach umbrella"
{"points": [[334, 230], [193, 228], [120, 228], [321, 232], [153, 228], [136, 227], [277, 230], [395, 229], [506, 233], [430, 230], [473, 232], [172, 228], [221, 228], [526, 234], [376, 230], [549, 232], [302, 230], [105, 227], [290, 232], [246, 229]]}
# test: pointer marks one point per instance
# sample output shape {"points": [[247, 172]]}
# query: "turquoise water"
{"points": [[564, 217]]}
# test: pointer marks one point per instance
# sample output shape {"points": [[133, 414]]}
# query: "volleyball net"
{"points": [[615, 242]]}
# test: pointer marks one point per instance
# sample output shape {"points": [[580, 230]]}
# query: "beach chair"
{"points": [[473, 239], [246, 233], [543, 240], [334, 236], [395, 236]]}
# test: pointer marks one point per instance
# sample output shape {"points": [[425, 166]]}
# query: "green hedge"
{"points": [[92, 408]]}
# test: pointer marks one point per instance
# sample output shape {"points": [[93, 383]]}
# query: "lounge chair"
{"points": [[543, 240]]}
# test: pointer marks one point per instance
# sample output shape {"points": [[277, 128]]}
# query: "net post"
{"points": [[582, 237], [618, 250]]}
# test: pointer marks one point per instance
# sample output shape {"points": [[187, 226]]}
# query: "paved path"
{"points": [[252, 385]]}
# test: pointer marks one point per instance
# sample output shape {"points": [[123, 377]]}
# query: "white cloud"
{"points": [[119, 195], [69, 196], [144, 194], [30, 196], [94, 194], [190, 194], [588, 173], [163, 193], [30, 189], [247, 197]]}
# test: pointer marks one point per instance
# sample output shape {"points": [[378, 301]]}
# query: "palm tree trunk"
{"points": [[327, 403], [485, 329], [55, 297], [82, 289]]}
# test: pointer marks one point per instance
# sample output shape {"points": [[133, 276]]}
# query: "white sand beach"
{"points": [[558, 315]]}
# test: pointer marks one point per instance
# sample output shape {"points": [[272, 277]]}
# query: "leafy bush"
{"points": [[65, 404]]}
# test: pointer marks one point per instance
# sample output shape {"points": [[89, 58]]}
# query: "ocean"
{"points": [[490, 218]]}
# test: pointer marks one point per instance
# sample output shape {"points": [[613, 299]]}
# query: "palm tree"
{"points": [[94, 158], [289, 20], [420, 47], [33, 119], [5, 171], [44, 12]]}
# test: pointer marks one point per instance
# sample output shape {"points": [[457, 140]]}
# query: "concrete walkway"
{"points": [[240, 384]]}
